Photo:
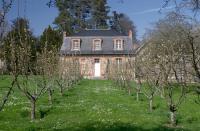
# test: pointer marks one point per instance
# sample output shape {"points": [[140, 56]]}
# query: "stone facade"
{"points": [[87, 64], [96, 49]]}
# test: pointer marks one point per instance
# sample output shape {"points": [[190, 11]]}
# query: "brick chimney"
{"points": [[130, 34]]}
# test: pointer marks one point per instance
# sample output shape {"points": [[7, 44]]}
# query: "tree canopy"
{"points": [[75, 15], [122, 23], [51, 38], [20, 33]]}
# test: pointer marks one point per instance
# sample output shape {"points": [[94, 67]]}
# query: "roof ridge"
{"points": [[97, 29], [99, 32]]}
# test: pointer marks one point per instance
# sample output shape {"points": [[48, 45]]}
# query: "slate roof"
{"points": [[87, 33], [87, 37], [91, 52]]}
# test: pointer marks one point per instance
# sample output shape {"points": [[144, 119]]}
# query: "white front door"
{"points": [[97, 72]]}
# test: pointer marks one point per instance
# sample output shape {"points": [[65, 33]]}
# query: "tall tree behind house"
{"points": [[75, 15], [52, 38], [64, 20], [122, 23], [100, 12]]}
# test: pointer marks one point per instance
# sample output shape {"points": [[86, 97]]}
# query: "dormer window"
{"points": [[76, 44], [97, 44], [118, 44]]}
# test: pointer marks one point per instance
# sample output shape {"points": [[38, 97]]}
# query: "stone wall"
{"points": [[87, 64]]}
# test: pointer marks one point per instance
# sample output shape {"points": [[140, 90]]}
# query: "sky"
{"points": [[142, 12]]}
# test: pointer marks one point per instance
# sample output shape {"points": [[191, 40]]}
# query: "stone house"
{"points": [[95, 49]]}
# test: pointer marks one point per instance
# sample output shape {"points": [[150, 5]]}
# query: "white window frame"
{"points": [[73, 46], [118, 44], [94, 44]]}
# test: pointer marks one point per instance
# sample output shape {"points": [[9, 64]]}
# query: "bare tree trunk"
{"points": [[61, 88], [194, 62], [8, 94], [5, 98], [61, 91], [33, 102], [50, 96], [151, 104], [129, 87], [173, 118], [162, 92], [129, 90], [137, 96], [172, 109]]}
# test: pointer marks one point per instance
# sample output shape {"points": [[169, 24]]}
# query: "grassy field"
{"points": [[95, 105]]}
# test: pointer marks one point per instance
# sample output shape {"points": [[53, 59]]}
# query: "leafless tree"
{"points": [[31, 78], [122, 75], [4, 9], [188, 31], [148, 73], [135, 67], [192, 36], [49, 66], [126, 76], [174, 77], [61, 75], [31, 83], [14, 73], [193, 5], [68, 72], [170, 56]]}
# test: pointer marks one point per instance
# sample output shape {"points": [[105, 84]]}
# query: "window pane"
{"points": [[118, 45], [97, 44], [76, 45]]}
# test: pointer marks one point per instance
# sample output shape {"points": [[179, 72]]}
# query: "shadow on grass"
{"points": [[97, 126], [44, 112]]}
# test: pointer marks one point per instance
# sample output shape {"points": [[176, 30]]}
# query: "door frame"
{"points": [[97, 61]]}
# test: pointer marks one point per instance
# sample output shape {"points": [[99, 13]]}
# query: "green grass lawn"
{"points": [[95, 105]]}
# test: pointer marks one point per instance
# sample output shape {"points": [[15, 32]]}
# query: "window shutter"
{"points": [[72, 45], [80, 41], [101, 43], [123, 44], [114, 46]]}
